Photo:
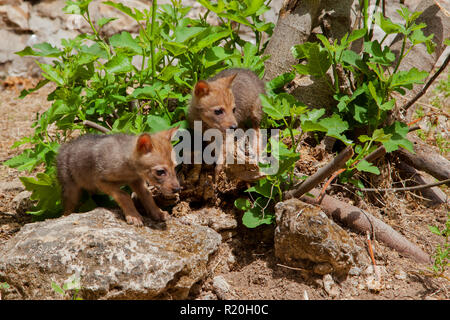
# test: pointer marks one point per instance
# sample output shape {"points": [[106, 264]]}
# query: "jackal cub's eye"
{"points": [[160, 172], [218, 112], [234, 110]]}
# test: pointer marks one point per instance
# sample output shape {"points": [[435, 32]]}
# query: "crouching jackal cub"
{"points": [[107, 162]]}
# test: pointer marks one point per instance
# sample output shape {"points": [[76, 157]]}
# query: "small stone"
{"points": [[329, 285], [207, 296], [354, 271], [401, 275], [14, 185], [323, 268], [22, 202], [221, 287]]}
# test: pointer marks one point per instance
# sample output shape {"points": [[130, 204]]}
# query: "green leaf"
{"points": [[363, 165], [76, 7], [398, 131], [51, 73], [125, 40], [254, 217], [157, 124], [26, 92], [242, 203], [335, 126], [275, 109], [280, 81], [388, 105], [407, 78], [318, 61], [210, 39], [252, 7], [435, 230], [357, 34], [46, 50], [185, 33], [119, 64], [386, 24], [103, 21], [137, 15], [57, 288]]}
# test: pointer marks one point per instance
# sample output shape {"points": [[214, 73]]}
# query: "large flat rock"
{"points": [[114, 260]]}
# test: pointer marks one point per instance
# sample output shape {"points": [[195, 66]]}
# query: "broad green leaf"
{"points": [[210, 39], [254, 217], [252, 7], [51, 73], [335, 126], [157, 124], [175, 48], [125, 40], [388, 105], [398, 131], [363, 165], [119, 64], [318, 61], [407, 78], [357, 34], [185, 33], [242, 203], [280, 81], [275, 109], [386, 24]]}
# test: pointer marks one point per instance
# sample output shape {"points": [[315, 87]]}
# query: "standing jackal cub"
{"points": [[229, 100], [107, 162]]}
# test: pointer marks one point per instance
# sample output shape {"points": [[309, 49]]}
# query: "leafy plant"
{"points": [[131, 83], [442, 253], [364, 103], [71, 285]]}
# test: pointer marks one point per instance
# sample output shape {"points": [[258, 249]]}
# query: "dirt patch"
{"points": [[247, 261]]}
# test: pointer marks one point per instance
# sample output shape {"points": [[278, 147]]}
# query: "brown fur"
{"points": [[107, 162], [235, 92]]}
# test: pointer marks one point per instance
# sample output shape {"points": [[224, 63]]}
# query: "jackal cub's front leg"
{"points": [[148, 202]]}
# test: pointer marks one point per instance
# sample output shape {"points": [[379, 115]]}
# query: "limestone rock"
{"points": [[114, 260], [307, 238]]}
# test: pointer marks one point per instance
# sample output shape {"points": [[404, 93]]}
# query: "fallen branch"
{"points": [[423, 186], [362, 221], [434, 195], [337, 163], [96, 126], [426, 159], [428, 84]]}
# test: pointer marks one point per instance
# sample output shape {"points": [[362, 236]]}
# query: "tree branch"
{"points": [[425, 88], [96, 126], [337, 163]]}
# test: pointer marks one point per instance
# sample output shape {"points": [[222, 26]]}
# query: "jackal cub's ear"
{"points": [[144, 143], [229, 80], [171, 132], [201, 89]]}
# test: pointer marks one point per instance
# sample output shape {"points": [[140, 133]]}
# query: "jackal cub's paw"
{"points": [[160, 215], [137, 221]]}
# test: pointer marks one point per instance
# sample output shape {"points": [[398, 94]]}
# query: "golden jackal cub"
{"points": [[107, 162], [228, 100]]}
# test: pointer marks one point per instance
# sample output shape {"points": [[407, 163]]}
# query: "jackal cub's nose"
{"points": [[233, 126], [176, 189]]}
